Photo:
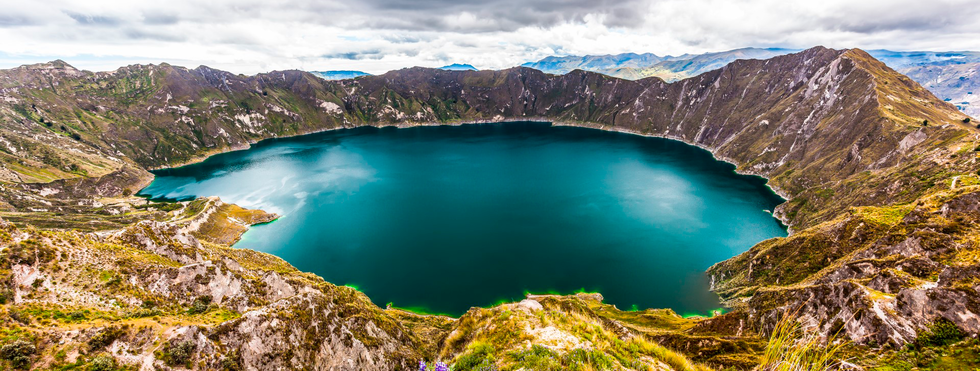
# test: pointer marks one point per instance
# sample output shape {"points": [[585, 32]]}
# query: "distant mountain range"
{"points": [[339, 75], [879, 176], [951, 76], [346, 74], [637, 66], [905, 60], [458, 67]]}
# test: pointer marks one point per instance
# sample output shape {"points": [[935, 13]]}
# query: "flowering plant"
{"points": [[439, 366]]}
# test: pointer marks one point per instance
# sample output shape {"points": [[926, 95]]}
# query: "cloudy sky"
{"points": [[251, 36]]}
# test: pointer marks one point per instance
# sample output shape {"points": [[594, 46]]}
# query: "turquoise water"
{"points": [[444, 218]]}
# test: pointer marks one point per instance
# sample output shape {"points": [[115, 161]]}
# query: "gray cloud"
{"points": [[401, 38], [376, 35], [136, 34], [913, 16], [354, 56], [497, 15], [160, 19], [94, 20], [14, 20]]}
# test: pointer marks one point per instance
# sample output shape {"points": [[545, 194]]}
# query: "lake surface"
{"points": [[440, 219]]}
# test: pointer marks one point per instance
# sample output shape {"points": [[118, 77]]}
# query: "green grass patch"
{"points": [[884, 215]]}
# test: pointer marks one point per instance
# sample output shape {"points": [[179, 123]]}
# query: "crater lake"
{"points": [[442, 218]]}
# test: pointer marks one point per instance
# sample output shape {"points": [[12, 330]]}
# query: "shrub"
{"points": [[200, 305], [76, 316], [144, 312], [178, 353], [966, 120], [105, 337], [19, 353], [101, 362], [232, 362], [941, 332], [588, 360], [480, 356], [537, 358]]}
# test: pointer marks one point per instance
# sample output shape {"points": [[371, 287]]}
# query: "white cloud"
{"points": [[250, 36]]}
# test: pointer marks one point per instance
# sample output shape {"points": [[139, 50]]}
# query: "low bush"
{"points": [[101, 362], [105, 337], [941, 332], [177, 353], [18, 353], [200, 305]]}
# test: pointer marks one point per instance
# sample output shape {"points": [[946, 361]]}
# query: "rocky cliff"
{"points": [[814, 122], [882, 246]]}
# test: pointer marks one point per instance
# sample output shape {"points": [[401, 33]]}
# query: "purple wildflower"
{"points": [[441, 366], [421, 365]]}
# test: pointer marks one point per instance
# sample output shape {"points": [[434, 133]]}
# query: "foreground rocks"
{"points": [[876, 276], [154, 296], [882, 247]]}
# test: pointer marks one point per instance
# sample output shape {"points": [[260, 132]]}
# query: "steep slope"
{"points": [[831, 129], [171, 294], [876, 275], [948, 75], [814, 122], [153, 296]]}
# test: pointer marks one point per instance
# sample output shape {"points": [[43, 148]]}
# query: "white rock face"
{"points": [[530, 305], [330, 107]]}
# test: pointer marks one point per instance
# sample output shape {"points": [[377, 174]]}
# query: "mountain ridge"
{"points": [[834, 130], [635, 66], [949, 75], [338, 109]]}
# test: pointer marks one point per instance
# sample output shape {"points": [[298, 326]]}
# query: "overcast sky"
{"points": [[251, 36]]}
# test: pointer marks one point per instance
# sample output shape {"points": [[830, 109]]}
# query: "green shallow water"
{"points": [[444, 218]]}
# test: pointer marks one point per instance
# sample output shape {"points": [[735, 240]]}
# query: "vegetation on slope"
{"points": [[154, 295], [884, 249]]}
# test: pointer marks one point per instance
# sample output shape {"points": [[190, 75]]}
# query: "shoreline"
{"points": [[775, 212]]}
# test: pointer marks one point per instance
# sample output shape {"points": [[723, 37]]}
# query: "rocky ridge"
{"points": [[850, 142]]}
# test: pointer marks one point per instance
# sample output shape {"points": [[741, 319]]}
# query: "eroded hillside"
{"points": [[878, 172]]}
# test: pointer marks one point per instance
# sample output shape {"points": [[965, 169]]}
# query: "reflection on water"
{"points": [[446, 218]]}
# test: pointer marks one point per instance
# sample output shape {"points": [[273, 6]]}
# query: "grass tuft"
{"points": [[792, 349]]}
